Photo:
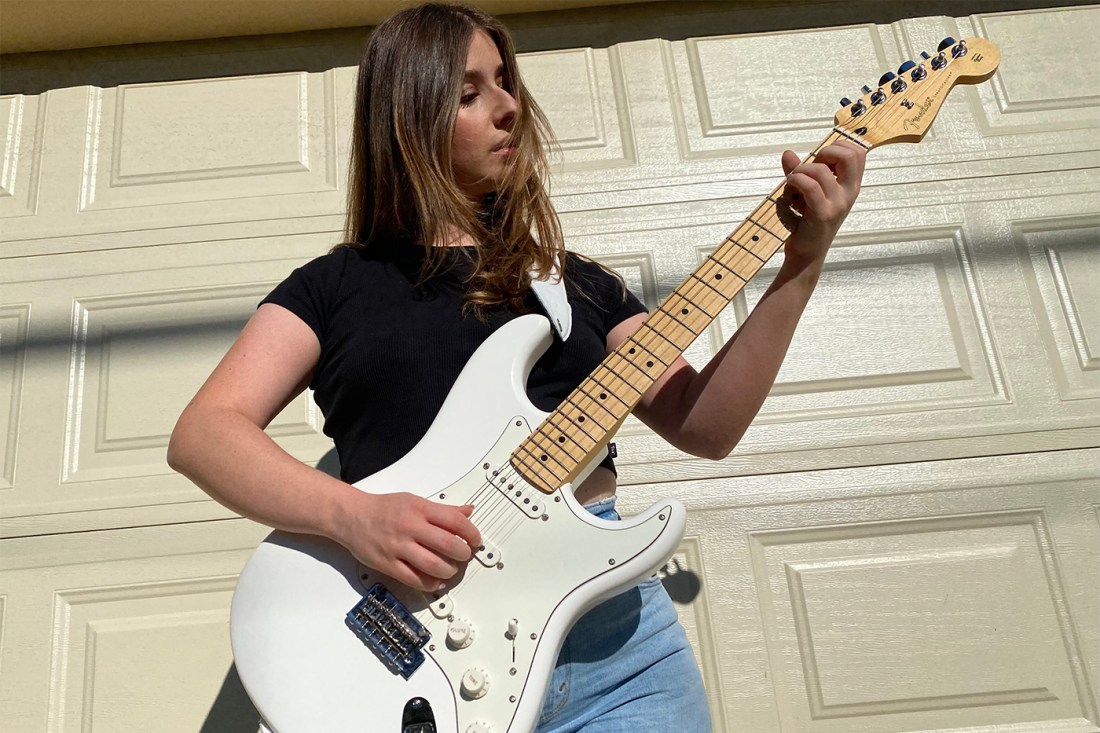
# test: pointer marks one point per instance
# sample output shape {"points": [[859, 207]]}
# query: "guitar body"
{"points": [[495, 634]]}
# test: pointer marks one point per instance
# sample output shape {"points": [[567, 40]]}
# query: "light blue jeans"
{"points": [[626, 667]]}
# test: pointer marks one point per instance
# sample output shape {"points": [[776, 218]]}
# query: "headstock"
{"points": [[903, 106]]}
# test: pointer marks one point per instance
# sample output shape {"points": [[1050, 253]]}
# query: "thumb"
{"points": [[467, 509], [790, 161]]}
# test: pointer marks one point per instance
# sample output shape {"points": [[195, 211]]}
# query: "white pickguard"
{"points": [[306, 671]]}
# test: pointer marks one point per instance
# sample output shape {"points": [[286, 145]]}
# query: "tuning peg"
{"points": [[845, 102], [906, 66], [946, 44], [925, 55], [959, 50], [866, 89], [885, 78], [939, 62]]}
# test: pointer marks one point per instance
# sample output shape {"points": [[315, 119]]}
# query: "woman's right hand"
{"points": [[417, 542]]}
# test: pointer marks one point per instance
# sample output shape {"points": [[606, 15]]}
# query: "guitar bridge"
{"points": [[383, 623]]}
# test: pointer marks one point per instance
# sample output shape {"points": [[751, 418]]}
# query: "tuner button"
{"points": [[866, 89], [885, 79], [845, 102], [475, 683], [925, 55], [946, 44], [459, 634], [906, 66]]}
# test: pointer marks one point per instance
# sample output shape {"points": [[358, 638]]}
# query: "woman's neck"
{"points": [[453, 237]]}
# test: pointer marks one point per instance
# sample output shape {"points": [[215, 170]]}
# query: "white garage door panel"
{"points": [[933, 596], [112, 348], [181, 154], [125, 630]]}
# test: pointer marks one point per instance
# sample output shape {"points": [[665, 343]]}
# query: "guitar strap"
{"points": [[550, 290]]}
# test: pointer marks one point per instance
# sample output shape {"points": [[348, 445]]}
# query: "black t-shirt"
{"points": [[391, 350]]}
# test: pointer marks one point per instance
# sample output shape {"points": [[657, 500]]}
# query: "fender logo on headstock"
{"points": [[977, 57], [914, 121], [907, 104]]}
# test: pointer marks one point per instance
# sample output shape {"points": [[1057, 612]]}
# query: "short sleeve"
{"points": [[309, 290], [614, 300]]}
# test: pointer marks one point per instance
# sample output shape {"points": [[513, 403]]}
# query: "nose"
{"points": [[506, 108]]}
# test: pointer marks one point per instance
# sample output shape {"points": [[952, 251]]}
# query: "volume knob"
{"points": [[459, 634], [475, 683]]}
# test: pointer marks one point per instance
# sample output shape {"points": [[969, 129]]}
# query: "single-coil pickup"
{"points": [[530, 501], [488, 554], [389, 629]]}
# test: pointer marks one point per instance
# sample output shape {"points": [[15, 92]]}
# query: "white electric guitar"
{"points": [[325, 645]]}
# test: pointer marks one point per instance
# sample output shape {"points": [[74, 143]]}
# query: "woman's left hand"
{"points": [[823, 193]]}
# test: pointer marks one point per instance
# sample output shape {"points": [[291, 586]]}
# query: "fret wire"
{"points": [[732, 239], [598, 402], [575, 406], [645, 348], [769, 231], [657, 332], [559, 445], [587, 413], [621, 378], [649, 329], [530, 469], [683, 295], [726, 267], [549, 453], [708, 285], [575, 438], [758, 242], [603, 389], [749, 261], [662, 309]]}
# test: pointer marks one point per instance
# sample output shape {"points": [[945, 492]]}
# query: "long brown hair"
{"points": [[401, 187]]}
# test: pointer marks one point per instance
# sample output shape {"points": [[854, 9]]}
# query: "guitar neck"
{"points": [[568, 439]]}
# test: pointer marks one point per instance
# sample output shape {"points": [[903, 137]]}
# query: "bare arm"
{"points": [[219, 443], [706, 413]]}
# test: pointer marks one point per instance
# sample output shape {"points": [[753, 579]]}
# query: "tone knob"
{"points": [[459, 634], [475, 683], [479, 727]]}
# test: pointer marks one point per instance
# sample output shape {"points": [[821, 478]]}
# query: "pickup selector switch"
{"points": [[475, 683], [460, 634]]}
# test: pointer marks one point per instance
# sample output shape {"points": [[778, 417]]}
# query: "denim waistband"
{"points": [[604, 508]]}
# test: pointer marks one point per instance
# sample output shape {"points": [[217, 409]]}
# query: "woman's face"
{"points": [[480, 146]]}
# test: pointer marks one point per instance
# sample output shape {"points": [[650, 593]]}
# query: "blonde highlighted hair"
{"points": [[402, 189]]}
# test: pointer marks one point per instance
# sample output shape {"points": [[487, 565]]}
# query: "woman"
{"points": [[447, 187]]}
